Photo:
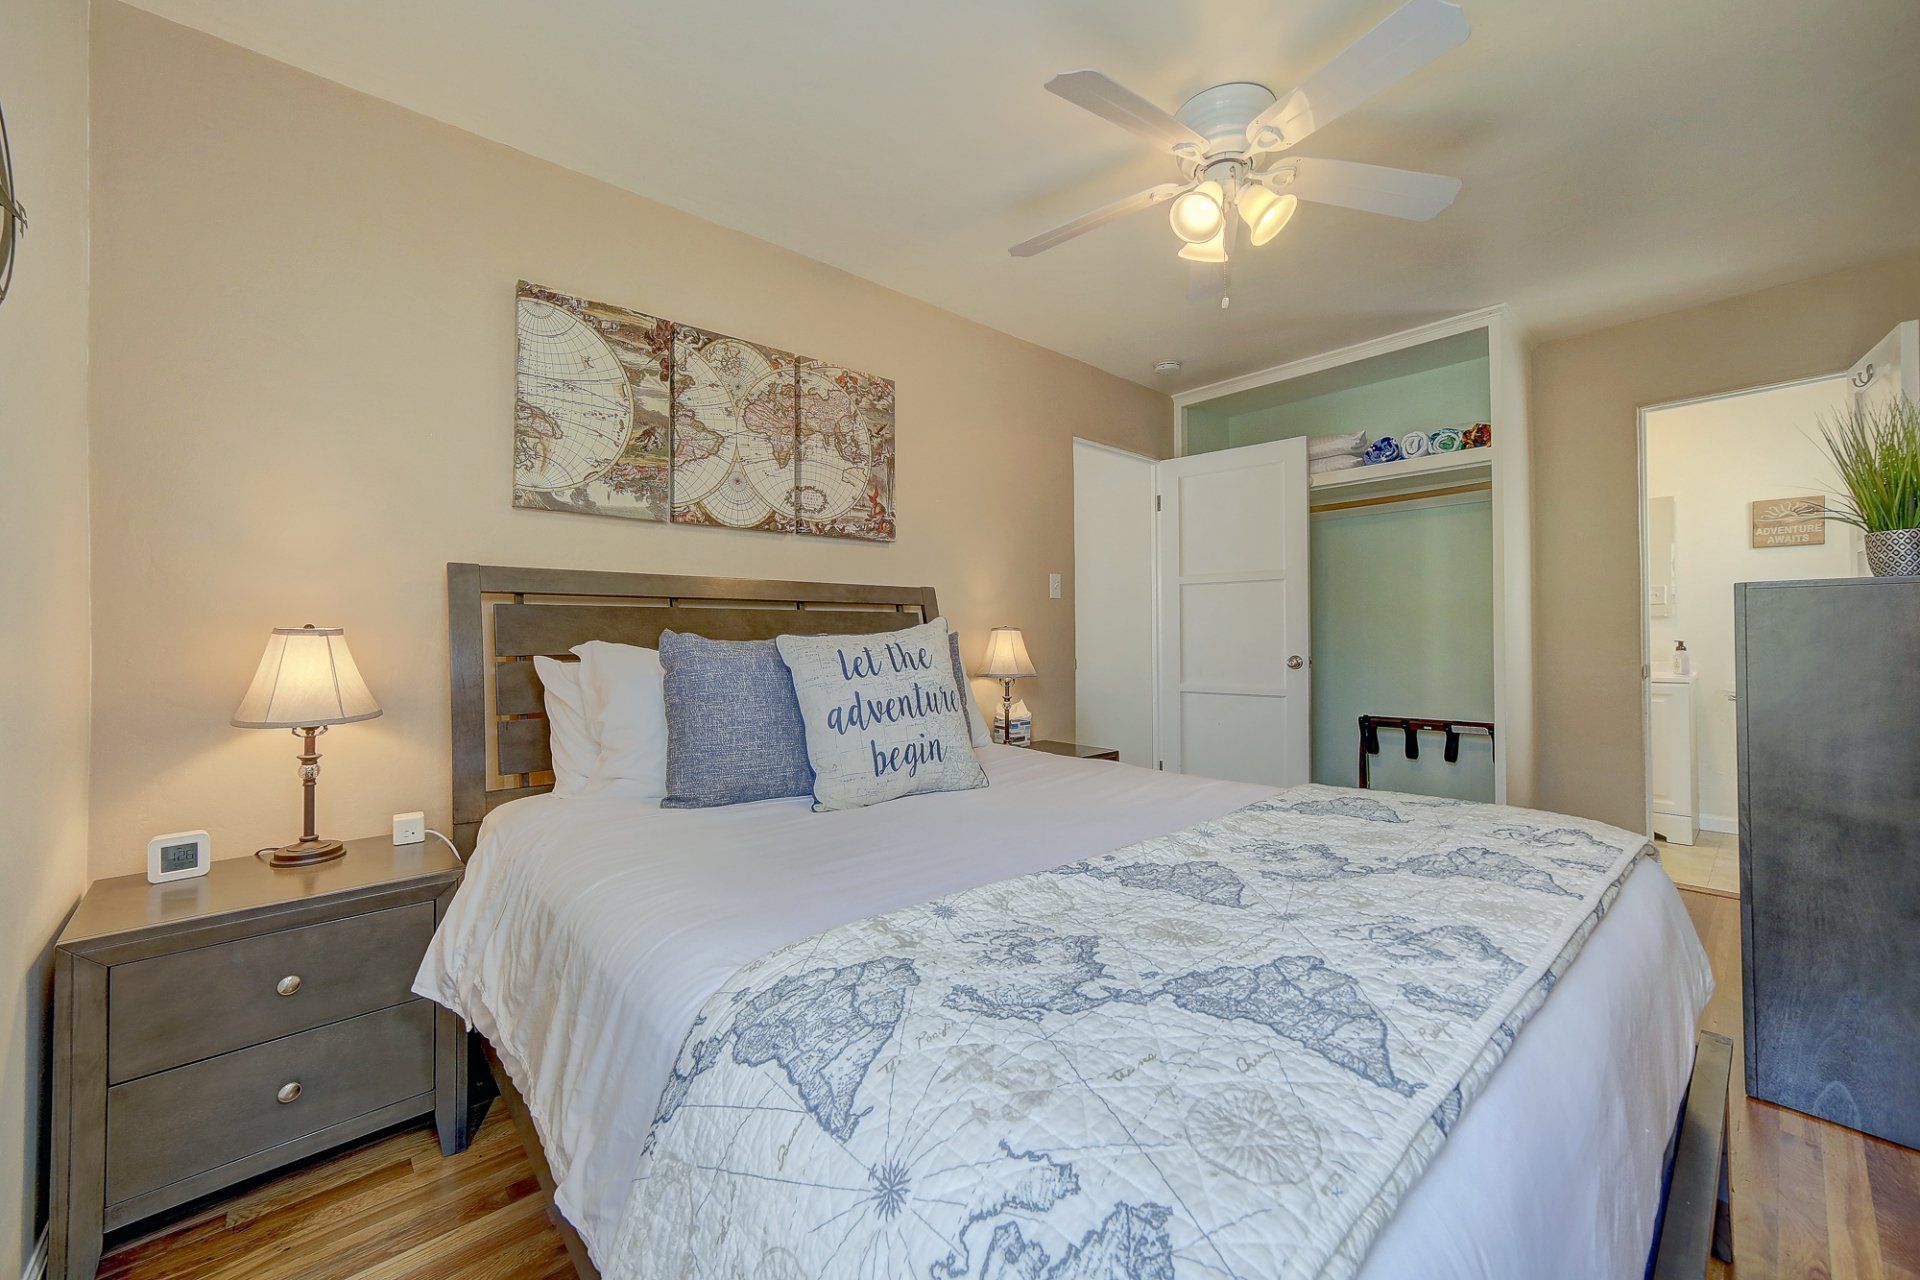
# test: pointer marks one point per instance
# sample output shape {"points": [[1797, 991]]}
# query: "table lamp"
{"points": [[306, 682], [1006, 661]]}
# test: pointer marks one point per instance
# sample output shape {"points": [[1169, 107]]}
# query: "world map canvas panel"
{"points": [[592, 407], [844, 475], [734, 432]]}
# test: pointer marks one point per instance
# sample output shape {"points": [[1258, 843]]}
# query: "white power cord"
{"points": [[443, 840]]}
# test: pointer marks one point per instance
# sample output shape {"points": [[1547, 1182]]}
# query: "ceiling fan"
{"points": [[1231, 143]]}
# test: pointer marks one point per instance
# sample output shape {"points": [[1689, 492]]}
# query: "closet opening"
{"points": [[1342, 537], [1733, 489], [1418, 555]]}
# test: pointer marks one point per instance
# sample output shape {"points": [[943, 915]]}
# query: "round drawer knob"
{"points": [[288, 985], [289, 1092]]}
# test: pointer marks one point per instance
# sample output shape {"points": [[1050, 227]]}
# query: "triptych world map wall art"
{"points": [[622, 414]]}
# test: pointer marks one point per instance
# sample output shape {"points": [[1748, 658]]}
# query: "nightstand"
{"points": [[1077, 751], [210, 1030]]}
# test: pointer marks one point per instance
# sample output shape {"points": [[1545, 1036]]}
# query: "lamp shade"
{"points": [[1006, 655], [306, 679]]}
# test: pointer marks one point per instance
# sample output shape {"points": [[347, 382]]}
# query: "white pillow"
{"points": [[883, 715], [627, 716], [574, 749]]}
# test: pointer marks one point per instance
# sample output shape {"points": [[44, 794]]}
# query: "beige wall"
{"points": [[1586, 394], [303, 380], [43, 575]]}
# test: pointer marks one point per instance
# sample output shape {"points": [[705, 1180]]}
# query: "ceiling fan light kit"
{"points": [[1229, 142]]}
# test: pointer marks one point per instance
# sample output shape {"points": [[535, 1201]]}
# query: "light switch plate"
{"points": [[1053, 586], [409, 828]]}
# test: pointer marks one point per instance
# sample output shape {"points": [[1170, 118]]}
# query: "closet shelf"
{"points": [[1464, 464]]}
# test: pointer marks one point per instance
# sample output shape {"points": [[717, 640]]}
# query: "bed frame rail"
{"points": [[1695, 1220]]}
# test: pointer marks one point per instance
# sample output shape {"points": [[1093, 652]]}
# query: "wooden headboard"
{"points": [[500, 618]]}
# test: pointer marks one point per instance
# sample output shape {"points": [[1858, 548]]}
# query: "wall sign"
{"points": [[1789, 522]]}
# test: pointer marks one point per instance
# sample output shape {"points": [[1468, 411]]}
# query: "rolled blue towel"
{"points": [[1385, 449]]}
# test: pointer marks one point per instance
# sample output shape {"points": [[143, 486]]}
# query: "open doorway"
{"points": [[1732, 490]]}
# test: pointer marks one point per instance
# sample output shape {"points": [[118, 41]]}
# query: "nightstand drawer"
{"points": [[180, 1008], [183, 1122]]}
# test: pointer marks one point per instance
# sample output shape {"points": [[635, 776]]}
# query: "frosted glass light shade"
{"points": [[306, 679], [1006, 655], [1197, 215], [1265, 213], [1214, 250]]}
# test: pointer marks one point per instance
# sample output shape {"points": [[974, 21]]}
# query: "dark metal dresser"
{"points": [[1829, 697], [213, 1029]]}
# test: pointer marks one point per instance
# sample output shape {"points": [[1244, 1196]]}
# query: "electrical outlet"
{"points": [[409, 828], [1053, 586]]}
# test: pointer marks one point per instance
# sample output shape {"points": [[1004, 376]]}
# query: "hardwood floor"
{"points": [[391, 1209], [1810, 1200]]}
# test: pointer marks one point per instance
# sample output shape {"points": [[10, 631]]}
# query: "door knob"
{"points": [[1296, 662]]}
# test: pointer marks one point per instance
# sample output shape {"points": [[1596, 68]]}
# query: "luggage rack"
{"points": [[1413, 727]]}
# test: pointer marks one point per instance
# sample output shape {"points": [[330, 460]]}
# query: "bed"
{"points": [[594, 939]]}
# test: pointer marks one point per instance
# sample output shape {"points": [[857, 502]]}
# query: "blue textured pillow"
{"points": [[734, 733]]}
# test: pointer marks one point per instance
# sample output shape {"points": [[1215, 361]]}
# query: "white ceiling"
{"points": [[1620, 157]]}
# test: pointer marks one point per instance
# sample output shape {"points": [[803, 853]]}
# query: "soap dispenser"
{"points": [[1682, 660]]}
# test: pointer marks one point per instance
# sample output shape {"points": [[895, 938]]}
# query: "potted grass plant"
{"points": [[1876, 451]]}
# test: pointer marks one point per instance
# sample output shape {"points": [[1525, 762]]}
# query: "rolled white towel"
{"points": [[1338, 462], [1415, 444], [1347, 445]]}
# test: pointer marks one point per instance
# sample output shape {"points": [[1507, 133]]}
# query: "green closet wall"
{"points": [[1402, 614]]}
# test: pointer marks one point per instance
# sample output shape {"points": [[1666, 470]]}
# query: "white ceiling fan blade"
{"points": [[1094, 92], [1412, 36], [1398, 193], [1098, 218]]}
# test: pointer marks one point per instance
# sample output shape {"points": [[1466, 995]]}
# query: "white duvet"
{"points": [[590, 932]]}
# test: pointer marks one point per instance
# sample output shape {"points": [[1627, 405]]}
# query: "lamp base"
{"points": [[304, 853]]}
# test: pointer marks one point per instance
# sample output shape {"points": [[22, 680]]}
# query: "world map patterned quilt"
{"points": [[1224, 1052]]}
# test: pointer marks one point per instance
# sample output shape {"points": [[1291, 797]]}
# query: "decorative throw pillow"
{"points": [[620, 684], [572, 746], [977, 731], [884, 717], [733, 727]]}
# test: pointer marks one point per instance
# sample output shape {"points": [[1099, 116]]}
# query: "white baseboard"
{"points": [[1714, 822], [36, 1268]]}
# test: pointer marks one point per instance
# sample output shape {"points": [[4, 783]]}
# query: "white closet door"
{"points": [[1113, 600], [1234, 624]]}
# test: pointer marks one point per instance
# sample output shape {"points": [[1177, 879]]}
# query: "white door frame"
{"points": [[1646, 623]]}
